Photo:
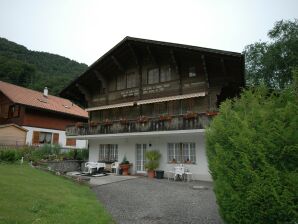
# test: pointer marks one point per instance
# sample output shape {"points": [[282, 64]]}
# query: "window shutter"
{"points": [[35, 138], [71, 142], [55, 138]]}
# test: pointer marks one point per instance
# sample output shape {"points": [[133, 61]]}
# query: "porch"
{"points": [[185, 146]]}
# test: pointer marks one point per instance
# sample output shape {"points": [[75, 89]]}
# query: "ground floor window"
{"points": [[108, 152], [182, 152]]}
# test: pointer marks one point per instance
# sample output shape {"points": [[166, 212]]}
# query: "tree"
{"points": [[252, 149], [271, 63]]}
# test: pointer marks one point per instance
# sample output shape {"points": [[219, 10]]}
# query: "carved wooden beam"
{"points": [[174, 60], [151, 55], [223, 67], [84, 91], [133, 52], [101, 78], [117, 63], [205, 69]]}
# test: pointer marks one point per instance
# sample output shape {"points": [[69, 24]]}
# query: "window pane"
{"points": [[153, 76], [170, 152], [193, 152], [186, 156], [165, 74]]}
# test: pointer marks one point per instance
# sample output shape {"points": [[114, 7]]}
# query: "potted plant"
{"points": [[125, 165], [152, 163]]}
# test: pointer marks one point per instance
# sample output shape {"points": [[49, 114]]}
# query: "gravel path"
{"points": [[144, 200]]}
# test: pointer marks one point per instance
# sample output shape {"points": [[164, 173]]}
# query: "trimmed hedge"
{"points": [[252, 148]]}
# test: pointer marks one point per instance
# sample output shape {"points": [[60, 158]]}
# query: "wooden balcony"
{"points": [[142, 124]]}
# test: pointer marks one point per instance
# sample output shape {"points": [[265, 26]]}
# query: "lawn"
{"points": [[28, 195]]}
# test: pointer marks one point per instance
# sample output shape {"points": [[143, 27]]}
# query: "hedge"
{"points": [[252, 149]]}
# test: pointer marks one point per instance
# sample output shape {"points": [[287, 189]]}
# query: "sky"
{"points": [[83, 30]]}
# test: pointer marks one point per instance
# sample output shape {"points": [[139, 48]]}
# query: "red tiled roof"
{"points": [[21, 95]]}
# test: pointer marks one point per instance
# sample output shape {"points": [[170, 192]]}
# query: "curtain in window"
{"points": [[182, 152]]}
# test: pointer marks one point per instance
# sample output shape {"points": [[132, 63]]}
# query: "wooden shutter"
{"points": [[35, 138], [55, 138], [71, 142]]}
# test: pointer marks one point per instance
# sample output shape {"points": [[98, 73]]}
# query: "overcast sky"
{"points": [[84, 30]]}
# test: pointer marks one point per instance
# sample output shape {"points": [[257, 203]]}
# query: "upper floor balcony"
{"points": [[186, 121]]}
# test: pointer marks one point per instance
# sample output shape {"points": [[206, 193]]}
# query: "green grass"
{"points": [[28, 195]]}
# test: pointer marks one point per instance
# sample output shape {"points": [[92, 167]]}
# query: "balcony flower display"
{"points": [[190, 115], [79, 125], [107, 122], [123, 121], [143, 119], [165, 117], [211, 113], [93, 123]]}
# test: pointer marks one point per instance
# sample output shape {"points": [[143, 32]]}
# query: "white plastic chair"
{"points": [[179, 172], [115, 166]]}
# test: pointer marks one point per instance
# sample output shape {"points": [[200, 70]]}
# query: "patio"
{"points": [[144, 200]]}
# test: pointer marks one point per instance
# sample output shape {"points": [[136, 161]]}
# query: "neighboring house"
{"points": [[12, 134], [44, 116], [144, 95]]}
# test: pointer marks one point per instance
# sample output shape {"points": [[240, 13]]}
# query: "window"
{"points": [[131, 80], [153, 76], [14, 111], [165, 74], [45, 138], [121, 82], [192, 72], [108, 153], [182, 152]]}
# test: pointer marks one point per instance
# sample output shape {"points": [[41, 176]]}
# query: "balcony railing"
{"points": [[143, 124]]}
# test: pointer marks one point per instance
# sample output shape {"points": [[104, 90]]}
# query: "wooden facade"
{"points": [[137, 70]]}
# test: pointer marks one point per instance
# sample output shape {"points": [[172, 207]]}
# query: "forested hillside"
{"points": [[34, 69]]}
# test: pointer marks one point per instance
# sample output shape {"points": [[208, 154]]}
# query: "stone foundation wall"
{"points": [[65, 165]]}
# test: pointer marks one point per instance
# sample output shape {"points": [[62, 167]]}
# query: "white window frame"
{"points": [[108, 152], [182, 152]]}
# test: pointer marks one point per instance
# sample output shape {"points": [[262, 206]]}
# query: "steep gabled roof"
{"points": [[32, 98], [156, 43]]}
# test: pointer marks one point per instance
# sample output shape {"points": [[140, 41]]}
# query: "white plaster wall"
{"points": [[62, 137], [126, 146]]}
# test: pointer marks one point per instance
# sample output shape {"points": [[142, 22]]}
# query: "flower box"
{"points": [[190, 115], [211, 113], [143, 119], [165, 117]]}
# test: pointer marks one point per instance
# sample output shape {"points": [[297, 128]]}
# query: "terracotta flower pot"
{"points": [[125, 168], [151, 173]]}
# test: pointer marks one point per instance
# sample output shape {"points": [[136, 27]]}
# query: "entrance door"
{"points": [[140, 158]]}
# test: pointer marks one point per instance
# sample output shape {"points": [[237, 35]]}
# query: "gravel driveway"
{"points": [[144, 200]]}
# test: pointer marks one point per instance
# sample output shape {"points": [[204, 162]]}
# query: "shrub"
{"points": [[8, 155], [252, 148]]}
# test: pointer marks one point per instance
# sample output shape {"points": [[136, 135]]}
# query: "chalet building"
{"points": [[143, 95], [42, 117]]}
